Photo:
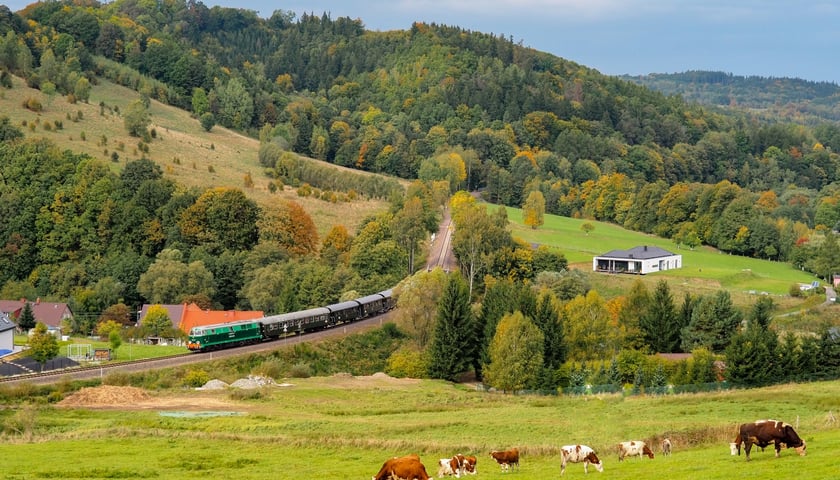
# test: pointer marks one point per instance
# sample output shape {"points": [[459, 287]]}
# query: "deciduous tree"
{"points": [[289, 225], [156, 321], [589, 332], [43, 345], [516, 354], [136, 118], [533, 211], [414, 295]]}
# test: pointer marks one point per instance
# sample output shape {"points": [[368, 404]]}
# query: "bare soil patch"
{"points": [[377, 380], [133, 398]]}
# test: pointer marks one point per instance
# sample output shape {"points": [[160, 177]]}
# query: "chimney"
{"points": [[646, 248], [38, 301]]}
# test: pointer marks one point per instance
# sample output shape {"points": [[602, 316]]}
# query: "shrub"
{"points": [[239, 394], [407, 363], [32, 104], [271, 368], [196, 378], [300, 370]]}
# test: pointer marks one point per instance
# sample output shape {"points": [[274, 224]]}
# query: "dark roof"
{"points": [[5, 323], [644, 252]]}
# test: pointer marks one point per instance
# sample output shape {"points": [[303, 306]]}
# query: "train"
{"points": [[244, 332]]}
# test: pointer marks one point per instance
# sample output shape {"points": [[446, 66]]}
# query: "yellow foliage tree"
{"points": [[533, 210]]}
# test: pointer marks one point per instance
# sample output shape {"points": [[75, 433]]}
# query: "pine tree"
{"points": [[752, 357], [453, 346], [635, 308], [26, 321], [829, 353], [547, 319], [660, 323], [713, 321]]}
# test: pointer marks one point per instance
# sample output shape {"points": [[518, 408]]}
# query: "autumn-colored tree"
{"points": [[119, 313], [156, 321], [289, 225], [336, 244], [104, 328], [447, 166], [533, 211], [589, 332], [43, 344]]}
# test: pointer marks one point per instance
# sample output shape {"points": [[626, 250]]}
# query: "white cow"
{"points": [[632, 449], [457, 466], [666, 446], [578, 454]]}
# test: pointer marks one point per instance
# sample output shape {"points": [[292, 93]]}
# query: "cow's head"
{"points": [[647, 451], [801, 450], [734, 448], [594, 460]]}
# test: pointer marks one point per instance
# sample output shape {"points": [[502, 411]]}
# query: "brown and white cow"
{"points": [[507, 459], [633, 448], [457, 466], [578, 454], [765, 432], [408, 467], [666, 446]]}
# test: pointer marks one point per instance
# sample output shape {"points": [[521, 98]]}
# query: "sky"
{"points": [[768, 38]]}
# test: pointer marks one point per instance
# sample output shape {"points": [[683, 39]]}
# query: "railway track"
{"points": [[100, 371]]}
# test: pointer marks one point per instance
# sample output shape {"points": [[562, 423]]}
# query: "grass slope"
{"points": [[703, 268], [344, 427], [185, 152]]}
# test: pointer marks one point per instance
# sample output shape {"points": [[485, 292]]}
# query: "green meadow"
{"points": [[345, 427], [702, 267]]}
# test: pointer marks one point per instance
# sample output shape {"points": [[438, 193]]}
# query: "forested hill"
{"points": [[468, 109], [789, 98]]}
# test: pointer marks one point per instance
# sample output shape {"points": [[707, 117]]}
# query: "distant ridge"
{"points": [[795, 99]]}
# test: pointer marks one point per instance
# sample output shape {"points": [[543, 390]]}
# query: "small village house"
{"points": [[639, 260]]}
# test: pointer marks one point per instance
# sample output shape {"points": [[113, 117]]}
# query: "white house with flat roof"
{"points": [[639, 260]]}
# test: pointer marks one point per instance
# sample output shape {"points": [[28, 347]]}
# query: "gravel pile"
{"points": [[215, 384], [254, 381]]}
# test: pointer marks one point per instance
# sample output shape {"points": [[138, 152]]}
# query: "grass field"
{"points": [[345, 427], [703, 267]]}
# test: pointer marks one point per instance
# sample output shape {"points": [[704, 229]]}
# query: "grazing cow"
{"points": [[457, 466], [577, 454], [765, 432], [408, 467], [633, 448], [666, 446], [507, 459]]}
